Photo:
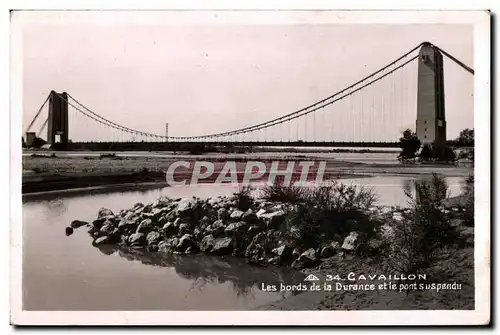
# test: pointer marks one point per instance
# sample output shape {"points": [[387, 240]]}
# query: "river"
{"points": [[67, 273]]}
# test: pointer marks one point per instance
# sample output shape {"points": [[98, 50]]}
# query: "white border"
{"points": [[481, 315]]}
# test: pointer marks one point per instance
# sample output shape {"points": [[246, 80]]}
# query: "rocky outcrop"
{"points": [[216, 226]]}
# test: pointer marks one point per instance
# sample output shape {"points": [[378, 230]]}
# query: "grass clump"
{"points": [[243, 198]]}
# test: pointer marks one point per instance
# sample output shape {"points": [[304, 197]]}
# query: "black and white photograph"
{"points": [[253, 161]]}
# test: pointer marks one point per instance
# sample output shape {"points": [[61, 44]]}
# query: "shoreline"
{"points": [[44, 174]]}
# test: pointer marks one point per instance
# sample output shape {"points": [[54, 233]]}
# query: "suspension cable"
{"points": [[463, 65], [38, 113]]}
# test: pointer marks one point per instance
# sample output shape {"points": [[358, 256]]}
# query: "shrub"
{"points": [[38, 142], [243, 198], [329, 212], [426, 154], [466, 137], [283, 193], [443, 153], [425, 228], [409, 144], [468, 204]]}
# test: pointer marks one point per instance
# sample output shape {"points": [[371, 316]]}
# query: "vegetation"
{"points": [[409, 144], [425, 228], [283, 193], [437, 153], [468, 201], [466, 138], [38, 142], [426, 154], [243, 198], [325, 213]]}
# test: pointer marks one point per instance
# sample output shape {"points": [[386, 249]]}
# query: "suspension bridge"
{"points": [[372, 112]]}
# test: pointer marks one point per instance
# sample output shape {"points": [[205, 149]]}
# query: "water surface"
{"points": [[68, 273]]}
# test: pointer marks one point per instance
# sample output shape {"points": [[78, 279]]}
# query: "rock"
{"points": [[197, 233], [92, 229], [236, 214], [168, 245], [137, 239], [77, 224], [307, 259], [295, 254], [283, 254], [236, 227], [351, 242], [185, 242], [97, 224], [123, 240], [249, 216], [128, 221], [104, 212], [254, 229], [204, 221], [223, 246], [327, 252], [216, 229], [335, 245], [186, 207], [145, 227], [101, 240], [106, 229], [153, 237], [184, 229], [137, 206], [68, 231], [222, 214], [274, 260], [170, 229], [147, 209], [152, 248], [156, 214], [162, 201], [260, 212], [273, 220], [277, 207], [207, 243]]}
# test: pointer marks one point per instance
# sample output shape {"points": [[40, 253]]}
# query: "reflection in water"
{"points": [[203, 270]]}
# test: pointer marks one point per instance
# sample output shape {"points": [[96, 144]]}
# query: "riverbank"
{"points": [[48, 173], [354, 237]]}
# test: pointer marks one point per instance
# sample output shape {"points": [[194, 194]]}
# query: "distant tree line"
{"points": [[37, 143], [412, 149]]}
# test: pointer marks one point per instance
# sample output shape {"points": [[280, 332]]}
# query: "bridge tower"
{"points": [[431, 122], [58, 118]]}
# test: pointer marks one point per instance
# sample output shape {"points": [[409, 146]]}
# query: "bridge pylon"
{"points": [[431, 122], [58, 118]]}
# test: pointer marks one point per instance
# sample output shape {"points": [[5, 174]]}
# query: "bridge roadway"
{"points": [[179, 146]]}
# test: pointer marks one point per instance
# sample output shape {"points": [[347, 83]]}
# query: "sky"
{"points": [[205, 78]]}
